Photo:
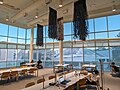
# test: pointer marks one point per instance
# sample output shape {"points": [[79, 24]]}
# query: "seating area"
{"points": [[17, 73]]}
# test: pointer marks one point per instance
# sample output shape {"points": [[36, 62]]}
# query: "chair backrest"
{"points": [[5, 75], [40, 80], [115, 69], [66, 72], [32, 70], [13, 73], [23, 72], [61, 74], [51, 77], [29, 84], [82, 82]]}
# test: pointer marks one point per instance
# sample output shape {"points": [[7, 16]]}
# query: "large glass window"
{"points": [[67, 28], [3, 29], [21, 33], [13, 31], [100, 24], [114, 22]]}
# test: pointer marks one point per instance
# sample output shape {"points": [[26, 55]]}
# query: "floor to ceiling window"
{"points": [[102, 44]]}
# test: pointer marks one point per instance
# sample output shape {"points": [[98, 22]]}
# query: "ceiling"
{"points": [[22, 12]]}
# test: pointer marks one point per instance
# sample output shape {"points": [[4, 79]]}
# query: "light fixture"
{"points": [[7, 18], [1, 1], [36, 16], [60, 3], [114, 8]]}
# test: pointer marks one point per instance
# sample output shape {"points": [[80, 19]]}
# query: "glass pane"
{"points": [[34, 55], [102, 43], [67, 44], [3, 29], [21, 46], [11, 64], [28, 33], [90, 36], [67, 28], [21, 33], [35, 32], [28, 41], [12, 40], [21, 41], [100, 24], [13, 31], [115, 54], [67, 38], [12, 55], [101, 35], [115, 34], [77, 54], [77, 44], [89, 55], [114, 22], [102, 53], [3, 55], [3, 39], [49, 40], [2, 64], [91, 25], [114, 42], [89, 44], [3, 46], [11, 46]]}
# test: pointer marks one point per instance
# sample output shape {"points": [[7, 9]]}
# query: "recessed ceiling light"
{"points": [[1, 1], [114, 8], [60, 3]]}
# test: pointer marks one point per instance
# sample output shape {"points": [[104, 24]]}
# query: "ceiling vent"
{"points": [[48, 1]]}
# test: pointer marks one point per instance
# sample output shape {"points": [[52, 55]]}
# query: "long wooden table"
{"points": [[18, 69], [59, 66], [71, 76]]}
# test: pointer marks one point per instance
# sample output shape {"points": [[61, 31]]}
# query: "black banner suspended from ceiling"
{"points": [[52, 27], [60, 29], [39, 41], [80, 22]]}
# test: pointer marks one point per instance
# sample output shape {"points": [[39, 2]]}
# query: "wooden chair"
{"points": [[23, 72], [66, 72], [42, 80], [61, 74], [29, 84], [14, 74], [82, 83], [51, 77], [5, 75], [32, 71]]}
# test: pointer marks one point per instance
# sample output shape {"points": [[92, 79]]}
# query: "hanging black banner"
{"points": [[80, 20], [52, 27], [60, 29], [39, 41]]}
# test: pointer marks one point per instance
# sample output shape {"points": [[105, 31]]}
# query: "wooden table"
{"points": [[71, 76], [29, 64], [58, 66], [91, 66], [17, 69]]}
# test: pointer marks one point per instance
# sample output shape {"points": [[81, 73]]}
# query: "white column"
{"points": [[61, 51], [31, 44]]}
